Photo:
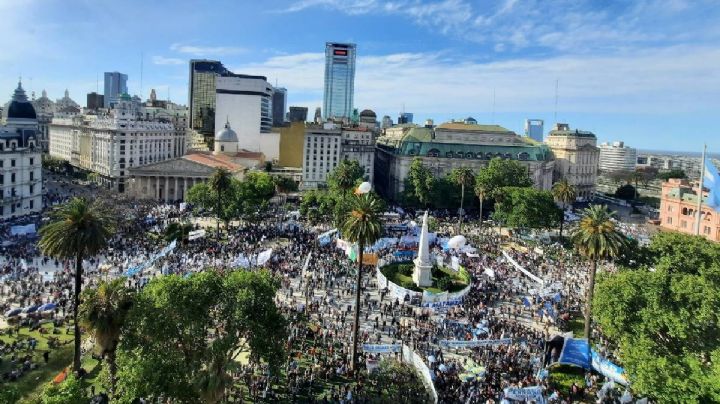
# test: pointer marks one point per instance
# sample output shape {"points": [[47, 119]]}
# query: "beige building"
{"points": [[576, 158], [453, 145], [291, 144]]}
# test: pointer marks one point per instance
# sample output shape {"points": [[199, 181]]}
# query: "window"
{"points": [[12, 163], [669, 220], [706, 230], [32, 204], [12, 178], [32, 160], [32, 175], [683, 224]]}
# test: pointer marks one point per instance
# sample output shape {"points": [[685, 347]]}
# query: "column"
{"points": [[185, 188], [175, 189], [166, 189], [157, 188]]}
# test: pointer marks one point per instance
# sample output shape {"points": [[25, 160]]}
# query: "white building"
{"points": [[110, 144], [20, 160], [323, 151], [616, 156], [45, 110], [245, 102]]}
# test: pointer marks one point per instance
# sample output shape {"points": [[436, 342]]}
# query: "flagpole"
{"points": [[700, 191]]}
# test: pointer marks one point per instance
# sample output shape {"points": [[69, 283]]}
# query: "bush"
{"points": [[626, 192]]}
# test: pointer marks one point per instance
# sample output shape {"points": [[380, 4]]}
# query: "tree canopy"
{"points": [[346, 176], [674, 173], [502, 173], [241, 198], [665, 319], [182, 334], [626, 192], [526, 208]]}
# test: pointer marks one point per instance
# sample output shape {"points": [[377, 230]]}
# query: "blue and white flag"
{"points": [[711, 181]]}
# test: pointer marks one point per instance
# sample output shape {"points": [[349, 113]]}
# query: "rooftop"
{"points": [[472, 127], [215, 161]]}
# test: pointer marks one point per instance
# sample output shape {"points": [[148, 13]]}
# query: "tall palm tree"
{"points": [[481, 193], [79, 230], [564, 193], [362, 226], [596, 238], [103, 310], [463, 176], [220, 183]]}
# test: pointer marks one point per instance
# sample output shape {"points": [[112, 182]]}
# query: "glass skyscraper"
{"points": [[201, 94], [115, 86], [339, 80]]}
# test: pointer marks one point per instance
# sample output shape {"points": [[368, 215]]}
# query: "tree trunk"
{"points": [[562, 220], [76, 301], [217, 220], [588, 303], [462, 199], [481, 212], [356, 328]]}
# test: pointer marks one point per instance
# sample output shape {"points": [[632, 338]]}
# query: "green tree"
{"points": [[463, 176], [70, 391], [481, 194], [78, 230], [254, 192], [103, 311], [284, 185], [220, 182], [666, 320], [346, 176], [674, 173], [625, 192], [396, 382], [526, 208], [362, 226], [183, 333], [596, 238], [564, 193], [178, 231], [422, 180], [502, 173]]}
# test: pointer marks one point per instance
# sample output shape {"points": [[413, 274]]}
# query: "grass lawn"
{"points": [[563, 377], [400, 273], [577, 326]]}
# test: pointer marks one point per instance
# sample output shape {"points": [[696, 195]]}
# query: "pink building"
{"points": [[678, 208]]}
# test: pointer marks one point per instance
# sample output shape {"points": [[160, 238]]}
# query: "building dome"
{"points": [[368, 113], [20, 107], [226, 134]]}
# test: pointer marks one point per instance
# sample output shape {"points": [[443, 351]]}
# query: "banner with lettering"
{"points": [[474, 343]]}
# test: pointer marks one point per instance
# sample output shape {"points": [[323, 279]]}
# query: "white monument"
{"points": [[422, 274]]}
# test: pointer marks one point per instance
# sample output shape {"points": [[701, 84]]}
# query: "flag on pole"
{"points": [[712, 182]]}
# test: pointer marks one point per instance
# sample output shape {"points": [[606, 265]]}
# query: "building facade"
{"points": [[292, 144], [339, 80], [95, 101], [298, 114], [405, 117], [201, 94], [110, 145], [323, 148], [245, 102], [616, 156], [534, 129], [678, 210], [44, 110], [115, 86], [453, 145], [279, 105], [20, 159], [576, 158]]}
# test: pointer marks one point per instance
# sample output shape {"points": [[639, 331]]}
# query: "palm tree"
{"points": [[596, 238], [178, 231], [462, 176], [481, 193], [220, 182], [362, 226], [564, 193], [80, 230], [104, 310]]}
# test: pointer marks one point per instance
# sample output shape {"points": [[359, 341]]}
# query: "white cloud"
{"points": [[652, 81], [162, 60], [206, 50]]}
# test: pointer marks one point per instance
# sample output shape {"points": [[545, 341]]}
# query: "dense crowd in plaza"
{"points": [[316, 295]]}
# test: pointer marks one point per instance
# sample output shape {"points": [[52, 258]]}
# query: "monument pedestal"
{"points": [[422, 274]]}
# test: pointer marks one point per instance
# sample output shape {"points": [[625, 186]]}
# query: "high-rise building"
{"points": [[95, 100], [279, 104], [405, 117], [244, 101], [534, 129], [616, 156], [201, 94], [115, 86], [298, 114], [20, 161], [339, 80], [387, 122], [576, 158], [318, 115]]}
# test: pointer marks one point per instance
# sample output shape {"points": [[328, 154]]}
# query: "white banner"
{"points": [[22, 230], [523, 270], [474, 344], [381, 348], [524, 393], [264, 257], [196, 234]]}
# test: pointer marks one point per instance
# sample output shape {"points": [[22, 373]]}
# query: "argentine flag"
{"points": [[711, 181]]}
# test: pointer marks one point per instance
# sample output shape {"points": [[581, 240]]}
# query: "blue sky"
{"points": [[642, 71]]}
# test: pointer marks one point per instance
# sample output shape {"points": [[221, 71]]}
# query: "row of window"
{"points": [[13, 162], [12, 208], [13, 177], [480, 156]]}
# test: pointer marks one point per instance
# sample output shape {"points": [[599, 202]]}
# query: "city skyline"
{"points": [[642, 73]]}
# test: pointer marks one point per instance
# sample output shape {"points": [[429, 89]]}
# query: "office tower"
{"points": [[339, 80], [318, 115], [298, 114], [279, 104], [616, 157], [115, 86], [534, 129], [405, 117], [95, 100], [244, 102], [201, 94], [387, 122]]}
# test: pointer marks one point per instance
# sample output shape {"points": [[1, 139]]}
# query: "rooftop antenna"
{"points": [[97, 82], [141, 74], [492, 119], [557, 85]]}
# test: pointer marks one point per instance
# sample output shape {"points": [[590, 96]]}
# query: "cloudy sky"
{"points": [[642, 71]]}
